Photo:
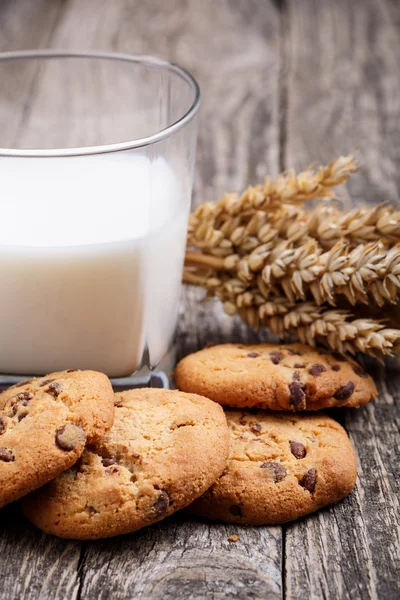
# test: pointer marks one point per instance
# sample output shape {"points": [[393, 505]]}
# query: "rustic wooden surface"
{"points": [[284, 83]]}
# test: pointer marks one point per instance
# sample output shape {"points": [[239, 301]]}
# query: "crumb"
{"points": [[233, 538]]}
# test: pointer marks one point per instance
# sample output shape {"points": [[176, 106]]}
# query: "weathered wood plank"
{"points": [[233, 50], [343, 94], [185, 559], [23, 25], [32, 564], [344, 90]]}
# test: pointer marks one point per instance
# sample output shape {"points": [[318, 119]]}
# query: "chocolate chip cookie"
{"points": [[44, 425], [279, 377], [164, 450], [281, 467]]}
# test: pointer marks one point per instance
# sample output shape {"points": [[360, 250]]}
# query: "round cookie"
{"points": [[44, 425], [281, 467], [279, 377], [164, 450]]}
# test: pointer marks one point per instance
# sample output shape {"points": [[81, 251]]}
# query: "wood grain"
{"points": [[23, 25], [185, 559], [343, 90], [343, 94], [32, 564]]}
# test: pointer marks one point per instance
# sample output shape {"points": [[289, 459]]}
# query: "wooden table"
{"points": [[284, 83]]}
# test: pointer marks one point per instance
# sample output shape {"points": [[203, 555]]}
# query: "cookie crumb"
{"points": [[233, 538]]}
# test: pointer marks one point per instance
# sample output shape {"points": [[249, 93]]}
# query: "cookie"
{"points": [[44, 425], [281, 467], [164, 450], [278, 377]]}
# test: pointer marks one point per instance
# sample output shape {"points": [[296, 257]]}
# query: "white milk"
{"points": [[91, 255]]}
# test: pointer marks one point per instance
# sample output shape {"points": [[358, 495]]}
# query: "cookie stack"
{"points": [[284, 463], [87, 463]]}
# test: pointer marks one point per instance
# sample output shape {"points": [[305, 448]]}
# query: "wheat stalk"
{"points": [[279, 265], [336, 329], [366, 273], [258, 214]]}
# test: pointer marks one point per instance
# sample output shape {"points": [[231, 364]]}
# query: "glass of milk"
{"points": [[96, 166]]}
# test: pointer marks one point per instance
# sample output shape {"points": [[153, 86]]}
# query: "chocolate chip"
{"points": [[54, 390], [15, 402], [72, 370], [277, 471], [339, 356], [162, 503], [276, 357], [91, 510], [299, 366], [297, 394], [22, 415], [317, 369], [292, 352], [45, 382], [336, 368], [23, 398], [253, 355], [2, 425], [107, 461], [235, 510], [296, 376], [6, 455], [360, 372], [255, 427], [70, 437], [297, 449], [345, 392], [136, 455], [309, 480], [118, 404], [21, 383]]}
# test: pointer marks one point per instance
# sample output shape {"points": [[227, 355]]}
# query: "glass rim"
{"points": [[146, 60]]}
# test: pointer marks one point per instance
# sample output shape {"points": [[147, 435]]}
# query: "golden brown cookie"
{"points": [[44, 425], [279, 377], [164, 450], [281, 467]]}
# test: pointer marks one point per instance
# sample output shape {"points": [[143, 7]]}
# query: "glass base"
{"points": [[156, 379], [145, 377]]}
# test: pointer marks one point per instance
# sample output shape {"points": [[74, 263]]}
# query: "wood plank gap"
{"points": [[283, 87], [283, 564], [80, 570]]}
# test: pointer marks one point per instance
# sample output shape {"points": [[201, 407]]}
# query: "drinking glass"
{"points": [[97, 153]]}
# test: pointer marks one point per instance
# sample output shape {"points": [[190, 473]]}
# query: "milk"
{"points": [[91, 255]]}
